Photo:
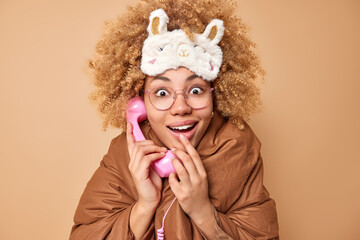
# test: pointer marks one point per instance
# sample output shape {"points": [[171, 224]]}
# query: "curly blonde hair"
{"points": [[116, 64]]}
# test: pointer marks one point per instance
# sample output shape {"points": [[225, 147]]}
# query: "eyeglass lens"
{"points": [[195, 96]]}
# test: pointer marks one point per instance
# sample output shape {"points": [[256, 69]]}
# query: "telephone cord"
{"points": [[161, 232]]}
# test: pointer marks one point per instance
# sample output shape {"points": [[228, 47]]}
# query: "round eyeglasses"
{"points": [[197, 96]]}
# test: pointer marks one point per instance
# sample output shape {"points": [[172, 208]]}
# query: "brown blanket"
{"points": [[235, 173]]}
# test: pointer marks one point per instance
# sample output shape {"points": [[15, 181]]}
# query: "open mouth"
{"points": [[187, 128], [183, 128]]}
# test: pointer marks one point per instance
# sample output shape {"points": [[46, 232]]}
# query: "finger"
{"points": [[138, 145], [188, 163], [194, 155], [145, 142], [143, 148], [140, 167], [129, 137], [181, 172], [155, 178], [174, 184], [136, 152]]}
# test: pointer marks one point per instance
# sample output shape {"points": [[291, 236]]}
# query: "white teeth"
{"points": [[182, 127]]}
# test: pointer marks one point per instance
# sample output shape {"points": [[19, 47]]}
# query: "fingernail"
{"points": [[173, 149], [182, 137], [164, 148]]}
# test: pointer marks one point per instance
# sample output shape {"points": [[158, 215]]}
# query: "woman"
{"points": [[193, 66]]}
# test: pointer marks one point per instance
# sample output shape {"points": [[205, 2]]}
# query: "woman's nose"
{"points": [[180, 106]]}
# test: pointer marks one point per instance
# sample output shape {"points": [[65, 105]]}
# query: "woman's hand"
{"points": [[148, 184], [192, 189]]}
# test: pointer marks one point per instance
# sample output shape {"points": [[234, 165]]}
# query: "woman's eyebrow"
{"points": [[168, 80], [192, 77], [161, 78]]}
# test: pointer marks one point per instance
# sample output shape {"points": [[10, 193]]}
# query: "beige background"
{"points": [[51, 138]]}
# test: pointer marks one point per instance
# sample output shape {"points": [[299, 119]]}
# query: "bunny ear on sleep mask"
{"points": [[165, 50]]}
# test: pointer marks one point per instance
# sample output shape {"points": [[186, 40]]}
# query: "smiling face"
{"points": [[180, 118]]}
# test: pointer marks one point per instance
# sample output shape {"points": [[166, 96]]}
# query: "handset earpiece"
{"points": [[135, 113]]}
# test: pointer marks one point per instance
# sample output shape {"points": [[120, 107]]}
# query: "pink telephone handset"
{"points": [[135, 113]]}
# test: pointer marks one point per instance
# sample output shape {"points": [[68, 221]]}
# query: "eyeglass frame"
{"points": [[210, 89]]}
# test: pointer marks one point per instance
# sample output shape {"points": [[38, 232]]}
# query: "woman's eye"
{"points": [[161, 93], [196, 90]]}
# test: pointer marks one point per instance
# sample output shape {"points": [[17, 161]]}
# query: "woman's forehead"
{"points": [[180, 76]]}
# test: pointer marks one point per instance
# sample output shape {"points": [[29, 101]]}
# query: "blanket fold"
{"points": [[234, 166]]}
